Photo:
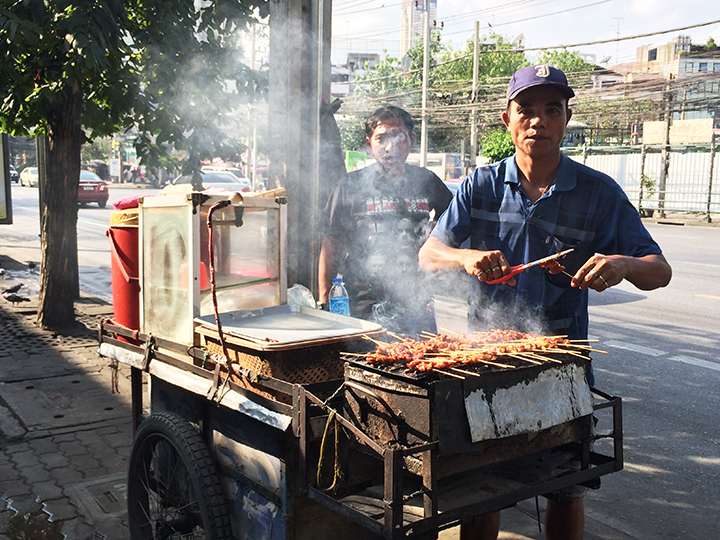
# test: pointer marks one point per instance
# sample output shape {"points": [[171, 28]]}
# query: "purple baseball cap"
{"points": [[530, 76]]}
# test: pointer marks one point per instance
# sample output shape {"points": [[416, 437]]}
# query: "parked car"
{"points": [[29, 177], [234, 170], [14, 176], [219, 180], [92, 189]]}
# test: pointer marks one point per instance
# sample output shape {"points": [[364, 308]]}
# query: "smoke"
{"points": [[503, 309]]}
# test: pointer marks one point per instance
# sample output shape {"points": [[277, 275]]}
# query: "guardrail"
{"points": [[660, 178]]}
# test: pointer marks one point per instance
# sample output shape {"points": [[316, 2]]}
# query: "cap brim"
{"points": [[564, 89]]}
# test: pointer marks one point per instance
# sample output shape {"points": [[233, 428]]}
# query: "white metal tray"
{"points": [[282, 327]]}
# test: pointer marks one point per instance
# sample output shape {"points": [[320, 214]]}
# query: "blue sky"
{"points": [[374, 25]]}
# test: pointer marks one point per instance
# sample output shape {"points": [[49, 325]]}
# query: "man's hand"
{"points": [[436, 256], [601, 272], [487, 265]]}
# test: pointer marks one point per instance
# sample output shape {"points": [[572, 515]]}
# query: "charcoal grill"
{"points": [[479, 409]]}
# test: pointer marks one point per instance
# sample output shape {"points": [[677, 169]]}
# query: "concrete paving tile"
{"points": [[36, 473], [85, 461], [119, 440], [66, 476], [8, 472], [24, 504], [65, 437], [13, 488], [61, 510], [43, 446], [24, 459], [77, 529], [106, 430], [114, 462], [72, 448], [58, 402], [47, 491], [98, 472], [17, 448], [54, 461], [11, 429]]}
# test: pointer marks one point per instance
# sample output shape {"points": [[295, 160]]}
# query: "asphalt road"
{"points": [[661, 359], [93, 246]]}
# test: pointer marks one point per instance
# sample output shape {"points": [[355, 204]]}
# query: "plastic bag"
{"points": [[299, 295]]}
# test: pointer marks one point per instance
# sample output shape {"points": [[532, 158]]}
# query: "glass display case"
{"points": [[249, 259]]}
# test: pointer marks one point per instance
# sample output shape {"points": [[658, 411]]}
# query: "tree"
{"points": [[497, 144], [450, 85], [76, 70], [578, 71]]}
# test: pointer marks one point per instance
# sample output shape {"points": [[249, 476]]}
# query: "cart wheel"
{"points": [[173, 488]]}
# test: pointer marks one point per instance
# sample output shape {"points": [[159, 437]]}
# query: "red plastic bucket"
{"points": [[123, 236]]}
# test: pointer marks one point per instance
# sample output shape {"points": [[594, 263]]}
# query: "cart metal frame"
{"points": [[397, 512]]}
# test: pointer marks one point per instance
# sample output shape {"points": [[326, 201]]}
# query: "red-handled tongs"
{"points": [[514, 270]]}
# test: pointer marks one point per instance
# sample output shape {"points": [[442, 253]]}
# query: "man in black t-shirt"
{"points": [[377, 219]]}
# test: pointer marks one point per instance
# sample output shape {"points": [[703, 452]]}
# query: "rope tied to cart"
{"points": [[337, 470]]}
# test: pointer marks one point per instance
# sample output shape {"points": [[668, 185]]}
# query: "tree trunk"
{"points": [[59, 176]]}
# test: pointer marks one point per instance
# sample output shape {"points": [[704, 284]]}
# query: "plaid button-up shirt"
{"points": [[584, 209]]}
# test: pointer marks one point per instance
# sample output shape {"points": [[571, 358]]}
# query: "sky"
{"points": [[374, 25]]}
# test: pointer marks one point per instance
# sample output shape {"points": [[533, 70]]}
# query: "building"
{"points": [[676, 59], [342, 77], [411, 22]]}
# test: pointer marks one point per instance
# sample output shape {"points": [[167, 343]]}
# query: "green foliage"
{"points": [[449, 86], [711, 45], [649, 185], [570, 62], [352, 134], [168, 68], [98, 149], [498, 58], [497, 144]]}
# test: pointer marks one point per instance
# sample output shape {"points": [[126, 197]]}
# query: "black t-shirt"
{"points": [[382, 226]]}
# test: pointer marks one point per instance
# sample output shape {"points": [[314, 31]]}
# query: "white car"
{"points": [[210, 180], [234, 170], [29, 177]]}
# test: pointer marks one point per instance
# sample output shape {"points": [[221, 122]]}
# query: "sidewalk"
{"points": [[65, 430]]}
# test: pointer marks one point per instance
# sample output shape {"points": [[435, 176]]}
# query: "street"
{"points": [[22, 237], [661, 359]]}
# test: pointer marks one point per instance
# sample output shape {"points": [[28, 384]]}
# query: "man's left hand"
{"points": [[600, 272]]}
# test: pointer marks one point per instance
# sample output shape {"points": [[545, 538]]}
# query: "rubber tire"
{"points": [[102, 204], [168, 447]]}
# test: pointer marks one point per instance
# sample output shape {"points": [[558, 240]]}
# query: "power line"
{"points": [[543, 15]]}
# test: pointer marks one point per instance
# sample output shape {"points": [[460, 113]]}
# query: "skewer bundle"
{"points": [[454, 352]]}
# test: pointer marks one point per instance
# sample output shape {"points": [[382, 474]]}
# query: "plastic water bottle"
{"points": [[339, 302]]}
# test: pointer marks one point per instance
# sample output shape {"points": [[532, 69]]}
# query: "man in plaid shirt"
{"points": [[526, 207]]}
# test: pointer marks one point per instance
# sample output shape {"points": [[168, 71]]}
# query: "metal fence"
{"points": [[659, 178]]}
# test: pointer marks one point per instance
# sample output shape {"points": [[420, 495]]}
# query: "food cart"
{"points": [[266, 421]]}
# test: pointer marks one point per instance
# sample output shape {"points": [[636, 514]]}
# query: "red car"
{"points": [[92, 189]]}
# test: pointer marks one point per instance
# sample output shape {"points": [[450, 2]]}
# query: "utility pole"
{"points": [[426, 75], [665, 151], [473, 97], [617, 43]]}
